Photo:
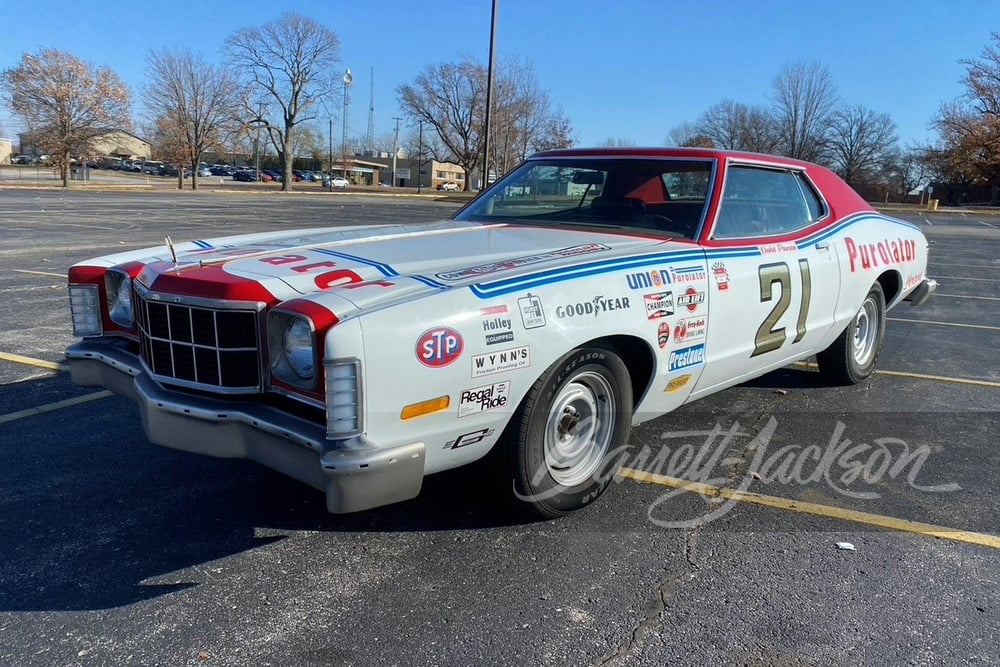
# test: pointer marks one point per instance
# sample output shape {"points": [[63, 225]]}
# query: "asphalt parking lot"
{"points": [[114, 551]]}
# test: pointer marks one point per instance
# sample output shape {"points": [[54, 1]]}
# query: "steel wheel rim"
{"points": [[578, 430], [866, 332]]}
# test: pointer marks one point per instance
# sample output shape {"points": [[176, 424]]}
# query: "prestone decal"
{"points": [[689, 356]]}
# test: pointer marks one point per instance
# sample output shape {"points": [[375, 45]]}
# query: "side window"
{"points": [[765, 202]]}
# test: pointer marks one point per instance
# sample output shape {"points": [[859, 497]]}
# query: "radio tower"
{"points": [[370, 138]]}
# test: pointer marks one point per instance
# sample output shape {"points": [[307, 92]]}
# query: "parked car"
{"points": [[23, 159], [246, 175], [450, 186], [336, 182], [360, 359]]}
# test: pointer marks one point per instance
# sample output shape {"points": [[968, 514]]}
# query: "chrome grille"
{"points": [[200, 346]]}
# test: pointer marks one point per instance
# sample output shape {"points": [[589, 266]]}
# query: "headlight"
{"points": [[297, 342], [119, 289]]}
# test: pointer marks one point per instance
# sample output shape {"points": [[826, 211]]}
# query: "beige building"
{"points": [[431, 172], [5, 151], [110, 143], [118, 143]]}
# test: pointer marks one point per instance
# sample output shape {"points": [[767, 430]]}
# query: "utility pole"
{"points": [[348, 79], [420, 156], [330, 173], [395, 150]]}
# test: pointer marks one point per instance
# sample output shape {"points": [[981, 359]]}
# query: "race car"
{"points": [[584, 292]]}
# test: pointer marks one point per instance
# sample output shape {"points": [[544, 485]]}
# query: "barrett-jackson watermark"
{"points": [[720, 456]]}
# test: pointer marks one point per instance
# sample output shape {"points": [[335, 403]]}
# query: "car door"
{"points": [[773, 290]]}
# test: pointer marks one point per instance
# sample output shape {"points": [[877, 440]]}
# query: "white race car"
{"points": [[582, 293]]}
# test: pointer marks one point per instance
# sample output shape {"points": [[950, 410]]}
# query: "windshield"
{"points": [[654, 196]]}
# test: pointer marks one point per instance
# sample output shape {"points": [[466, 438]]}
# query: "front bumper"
{"points": [[353, 477]]}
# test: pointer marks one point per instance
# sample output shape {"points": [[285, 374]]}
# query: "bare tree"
{"points": [[680, 134], [804, 96], [451, 100], [66, 102], [970, 126], [616, 142], [294, 60], [199, 99], [860, 142]]}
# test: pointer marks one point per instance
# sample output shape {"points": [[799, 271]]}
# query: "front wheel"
{"points": [[851, 358], [570, 435]]}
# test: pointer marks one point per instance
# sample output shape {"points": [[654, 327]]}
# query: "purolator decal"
{"points": [[517, 262], [869, 255], [532, 313], [659, 305], [501, 361], [599, 305], [688, 274], [439, 347], [689, 356], [482, 399]]}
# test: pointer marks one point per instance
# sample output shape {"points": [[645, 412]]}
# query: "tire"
{"points": [[852, 357], [555, 459]]}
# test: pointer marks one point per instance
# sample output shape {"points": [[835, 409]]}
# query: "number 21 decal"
{"points": [[770, 337]]}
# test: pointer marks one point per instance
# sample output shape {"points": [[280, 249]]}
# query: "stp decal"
{"points": [[439, 347]]}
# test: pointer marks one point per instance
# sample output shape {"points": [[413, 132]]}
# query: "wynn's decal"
{"points": [[517, 262], [869, 255], [501, 361]]}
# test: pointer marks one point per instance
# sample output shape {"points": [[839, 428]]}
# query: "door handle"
{"points": [[823, 245]]}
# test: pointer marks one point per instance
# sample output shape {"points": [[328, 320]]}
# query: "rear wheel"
{"points": [[851, 358], [570, 434]]}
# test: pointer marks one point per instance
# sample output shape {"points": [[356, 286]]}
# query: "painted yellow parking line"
{"points": [[40, 273], [966, 296], [978, 280], [52, 407], [825, 511], [944, 324], [915, 376], [28, 361]]}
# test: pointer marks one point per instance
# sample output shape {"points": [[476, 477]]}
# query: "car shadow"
{"points": [[93, 515]]}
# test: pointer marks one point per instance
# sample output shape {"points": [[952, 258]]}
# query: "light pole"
{"points": [[329, 117], [420, 155], [348, 79], [489, 101], [258, 121]]}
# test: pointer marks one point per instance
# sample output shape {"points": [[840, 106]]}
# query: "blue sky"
{"points": [[629, 69]]}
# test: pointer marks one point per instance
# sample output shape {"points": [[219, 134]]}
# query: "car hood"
{"points": [[408, 258]]}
